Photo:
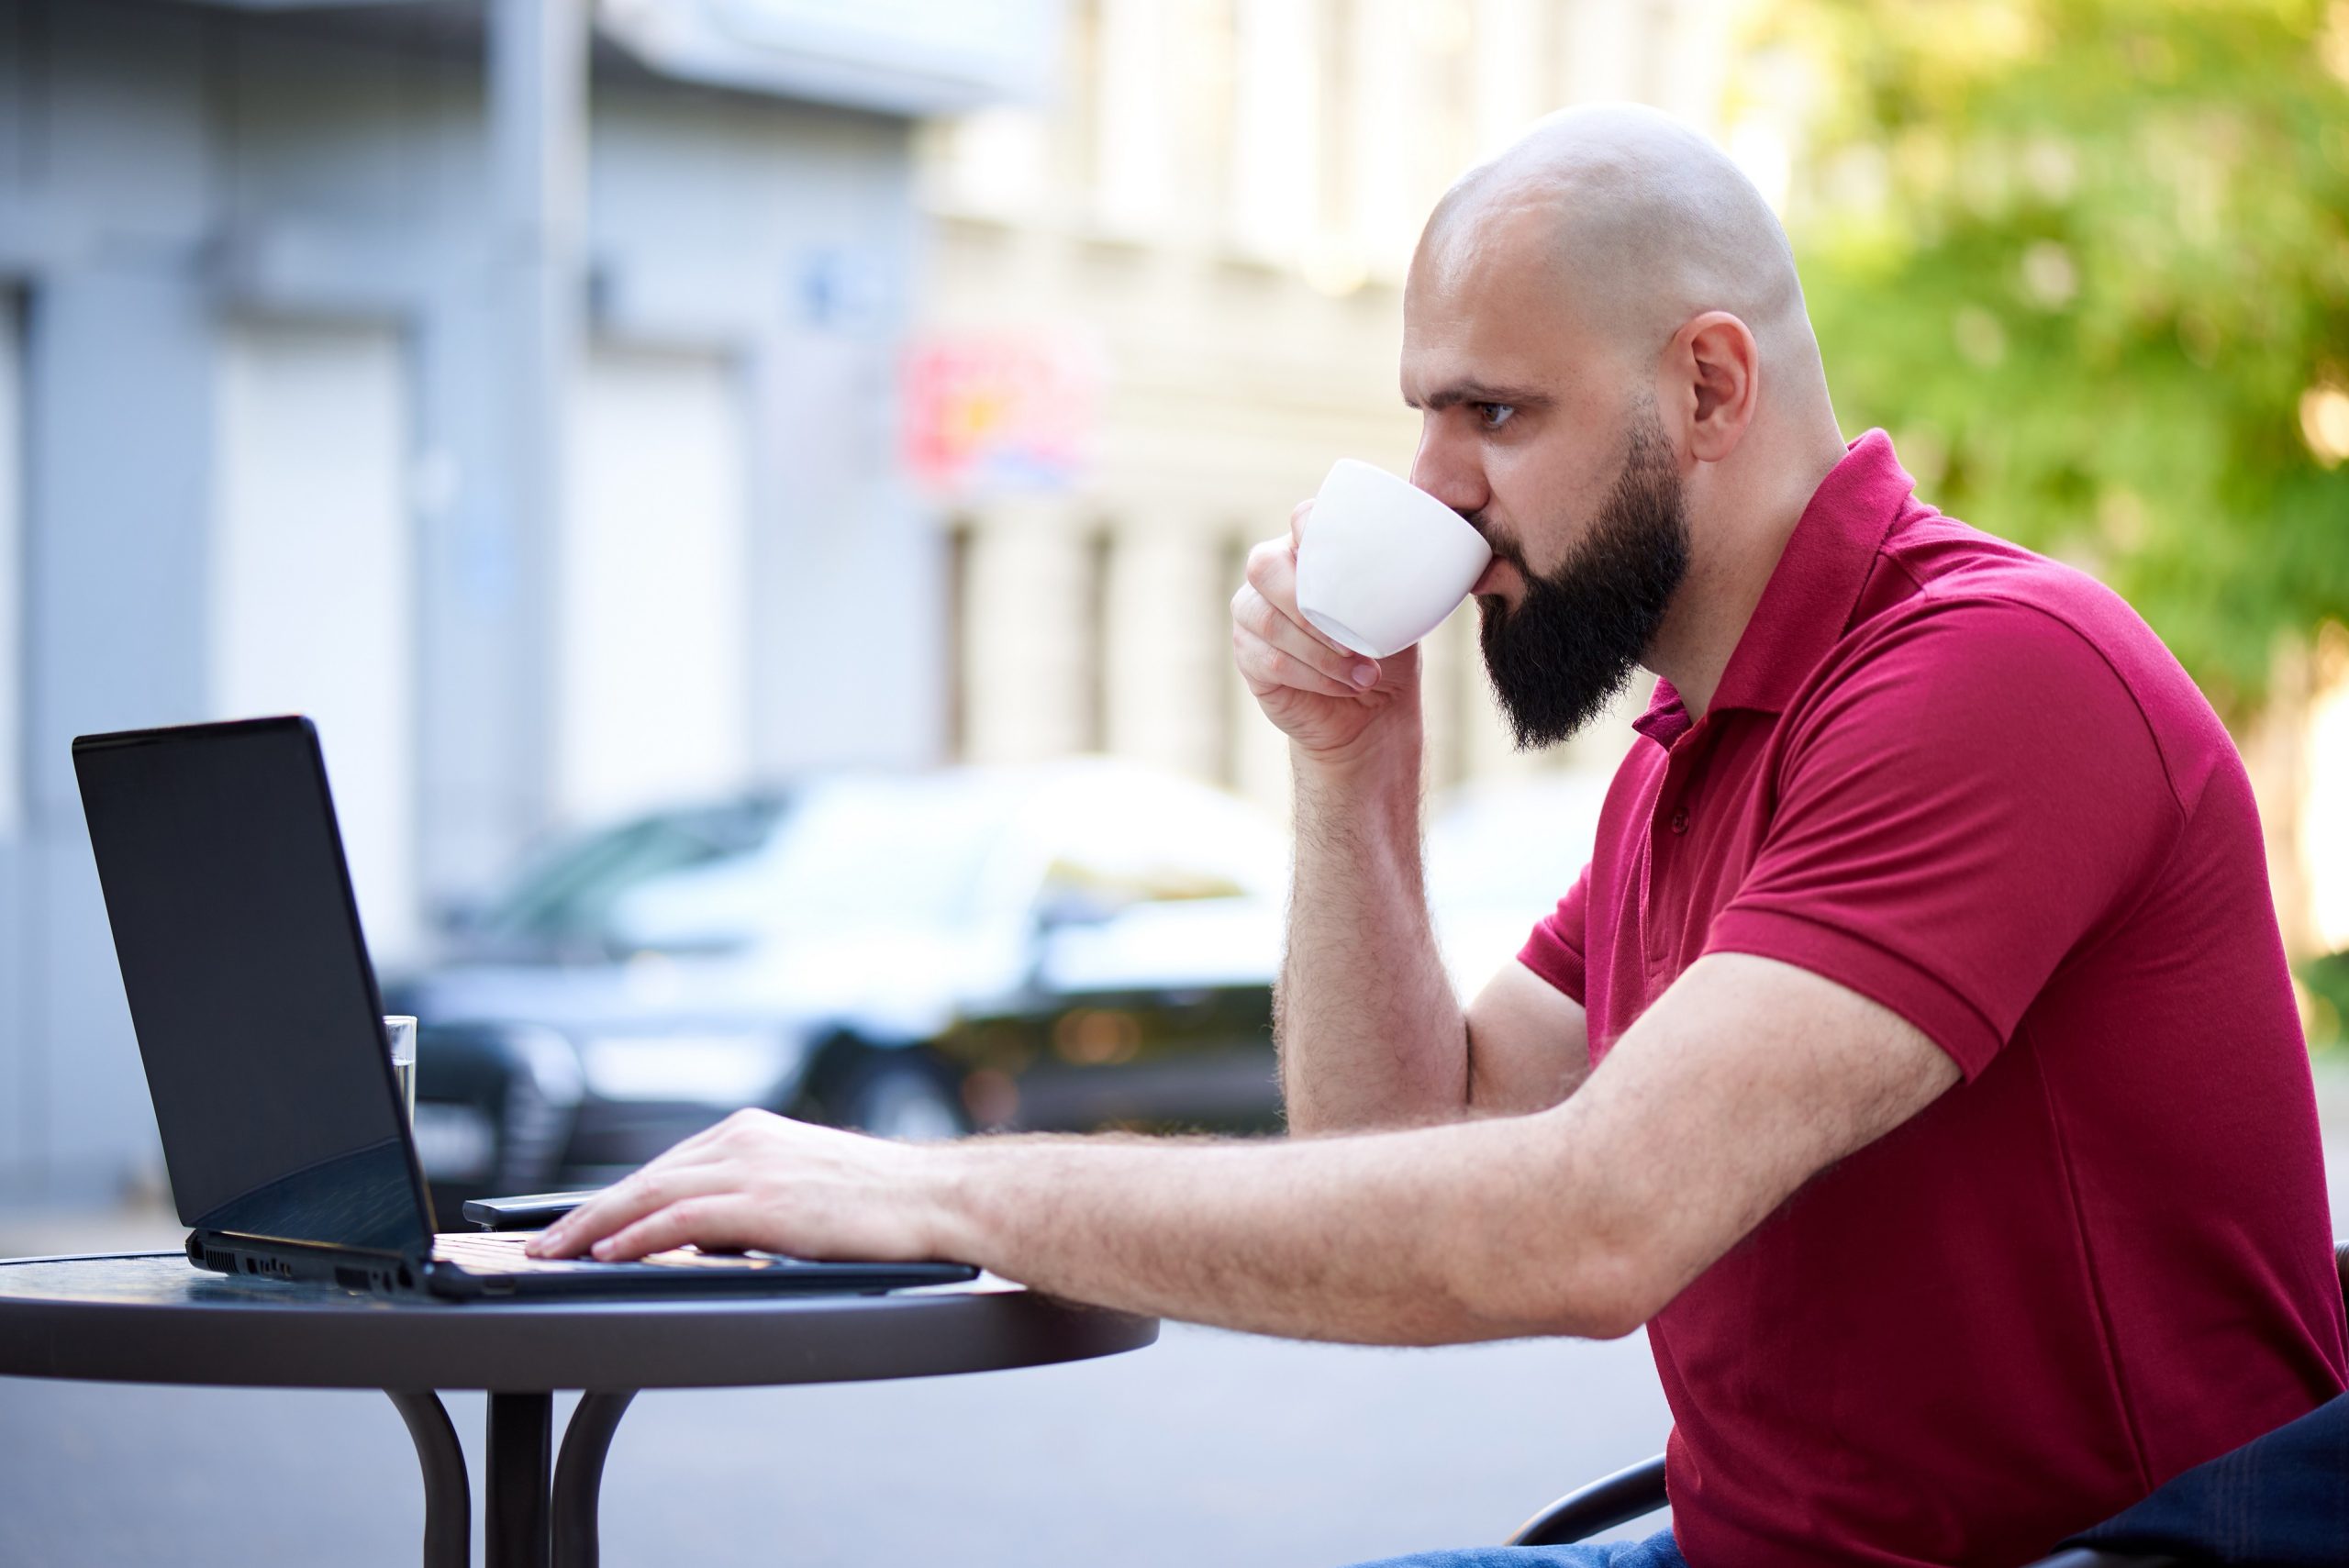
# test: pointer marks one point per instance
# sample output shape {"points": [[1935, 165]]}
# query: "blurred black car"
{"points": [[499, 1092], [1066, 946]]}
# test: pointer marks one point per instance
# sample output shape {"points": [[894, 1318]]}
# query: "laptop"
{"points": [[261, 1026]]}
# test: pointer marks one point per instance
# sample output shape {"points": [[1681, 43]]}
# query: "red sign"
{"points": [[995, 415]]}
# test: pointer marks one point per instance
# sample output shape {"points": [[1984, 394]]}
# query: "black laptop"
{"points": [[259, 1019]]}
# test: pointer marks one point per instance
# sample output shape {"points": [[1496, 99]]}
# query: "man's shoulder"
{"points": [[1977, 584], [1983, 623], [1971, 598]]}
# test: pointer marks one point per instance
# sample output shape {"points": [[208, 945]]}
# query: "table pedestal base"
{"points": [[529, 1520], [154, 1317]]}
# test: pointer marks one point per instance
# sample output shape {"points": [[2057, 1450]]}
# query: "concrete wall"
{"points": [[177, 184]]}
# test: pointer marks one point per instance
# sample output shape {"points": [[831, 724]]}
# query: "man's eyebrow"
{"points": [[1461, 392]]}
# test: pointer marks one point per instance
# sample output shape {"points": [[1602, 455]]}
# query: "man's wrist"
{"points": [[1366, 799], [1380, 760], [947, 1188]]}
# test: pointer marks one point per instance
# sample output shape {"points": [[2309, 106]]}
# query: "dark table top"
{"points": [[154, 1317]]}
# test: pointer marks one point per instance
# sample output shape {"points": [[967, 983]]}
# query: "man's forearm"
{"points": [[1431, 1236], [1370, 1032]]}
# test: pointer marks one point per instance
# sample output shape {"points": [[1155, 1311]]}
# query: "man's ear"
{"points": [[1716, 370]]}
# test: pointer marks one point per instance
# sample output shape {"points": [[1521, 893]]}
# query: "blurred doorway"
{"points": [[654, 646], [12, 556], [20, 1081], [313, 592]]}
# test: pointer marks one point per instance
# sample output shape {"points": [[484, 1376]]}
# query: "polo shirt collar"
{"points": [[1812, 591]]}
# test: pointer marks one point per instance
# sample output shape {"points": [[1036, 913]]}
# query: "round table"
{"points": [[154, 1318]]}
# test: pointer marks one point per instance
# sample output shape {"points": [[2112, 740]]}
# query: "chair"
{"points": [[1625, 1495]]}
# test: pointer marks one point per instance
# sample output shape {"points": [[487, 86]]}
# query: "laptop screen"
{"points": [[250, 989]]}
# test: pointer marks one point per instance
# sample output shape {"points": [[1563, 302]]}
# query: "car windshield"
{"points": [[876, 852], [938, 851], [564, 898]]}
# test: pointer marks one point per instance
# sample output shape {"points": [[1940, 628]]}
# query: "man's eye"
{"points": [[1493, 416]]}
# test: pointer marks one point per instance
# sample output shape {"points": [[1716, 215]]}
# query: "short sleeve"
{"points": [[1955, 811], [1555, 951]]}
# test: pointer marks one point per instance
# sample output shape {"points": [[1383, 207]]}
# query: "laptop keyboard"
{"points": [[500, 1251]]}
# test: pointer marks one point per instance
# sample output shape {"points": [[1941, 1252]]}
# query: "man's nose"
{"points": [[1448, 470]]}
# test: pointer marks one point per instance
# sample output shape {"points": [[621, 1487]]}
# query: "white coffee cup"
{"points": [[1381, 562]]}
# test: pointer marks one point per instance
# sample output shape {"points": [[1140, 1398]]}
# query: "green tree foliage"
{"points": [[2089, 262]]}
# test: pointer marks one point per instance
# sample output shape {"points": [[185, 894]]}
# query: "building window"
{"points": [[1135, 152], [1277, 143]]}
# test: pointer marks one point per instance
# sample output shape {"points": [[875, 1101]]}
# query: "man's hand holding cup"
{"points": [[1325, 626]]}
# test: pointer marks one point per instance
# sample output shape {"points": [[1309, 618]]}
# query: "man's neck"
{"points": [[1726, 581]]}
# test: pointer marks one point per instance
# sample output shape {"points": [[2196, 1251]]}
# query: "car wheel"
{"points": [[905, 1100]]}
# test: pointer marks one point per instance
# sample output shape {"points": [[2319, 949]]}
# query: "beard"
{"points": [[1567, 648]]}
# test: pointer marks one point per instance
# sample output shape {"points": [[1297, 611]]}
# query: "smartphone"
{"points": [[531, 1211]]}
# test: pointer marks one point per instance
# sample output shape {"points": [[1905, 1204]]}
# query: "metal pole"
{"points": [[538, 130], [521, 1443]]}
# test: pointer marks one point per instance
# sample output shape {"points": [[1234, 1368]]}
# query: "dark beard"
{"points": [[1568, 648]]}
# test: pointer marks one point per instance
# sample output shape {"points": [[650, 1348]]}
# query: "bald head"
{"points": [[1638, 222], [1618, 385]]}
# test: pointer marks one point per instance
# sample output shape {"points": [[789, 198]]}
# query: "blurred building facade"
{"points": [[1157, 308], [359, 359], [576, 404]]}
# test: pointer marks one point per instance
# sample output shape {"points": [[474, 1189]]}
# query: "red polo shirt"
{"points": [[1970, 783]]}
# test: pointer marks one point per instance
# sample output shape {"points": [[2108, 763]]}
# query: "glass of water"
{"points": [[400, 1034]]}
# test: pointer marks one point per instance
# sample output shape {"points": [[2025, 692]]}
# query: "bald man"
{"points": [[1915, 1058]]}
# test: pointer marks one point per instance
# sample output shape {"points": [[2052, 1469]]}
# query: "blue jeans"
{"points": [[1658, 1550]]}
